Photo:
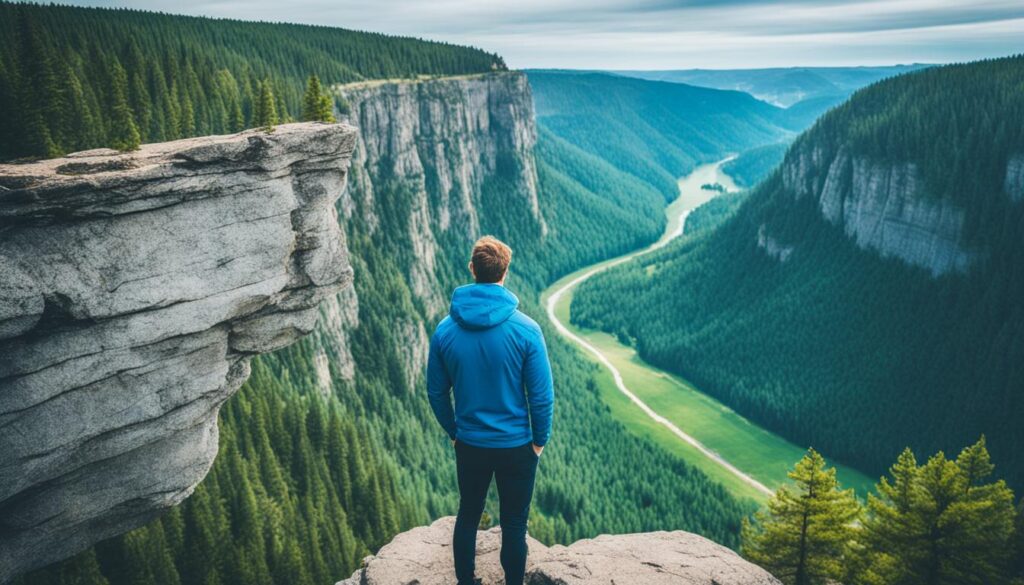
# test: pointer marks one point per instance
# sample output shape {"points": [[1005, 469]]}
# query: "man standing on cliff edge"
{"points": [[494, 358]]}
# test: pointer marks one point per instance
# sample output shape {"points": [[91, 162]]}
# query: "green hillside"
{"points": [[838, 347], [751, 166], [64, 71], [655, 131]]}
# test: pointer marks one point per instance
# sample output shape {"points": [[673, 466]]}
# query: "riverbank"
{"points": [[747, 459]]}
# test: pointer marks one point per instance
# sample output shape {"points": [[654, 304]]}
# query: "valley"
{"points": [[665, 408], [743, 277]]}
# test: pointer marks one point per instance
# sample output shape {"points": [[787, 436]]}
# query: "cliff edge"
{"points": [[422, 556], [135, 288]]}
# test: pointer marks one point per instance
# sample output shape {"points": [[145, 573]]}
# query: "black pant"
{"points": [[514, 469]]}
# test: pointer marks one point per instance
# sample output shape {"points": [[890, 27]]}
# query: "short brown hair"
{"points": [[490, 259]]}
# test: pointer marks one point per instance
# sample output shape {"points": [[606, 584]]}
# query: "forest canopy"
{"points": [[77, 78]]}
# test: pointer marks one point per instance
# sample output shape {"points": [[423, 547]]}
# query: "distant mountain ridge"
{"points": [[784, 86], [653, 130]]}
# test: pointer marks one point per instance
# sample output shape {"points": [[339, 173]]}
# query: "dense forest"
{"points": [[751, 166], [331, 448], [71, 78], [837, 346]]}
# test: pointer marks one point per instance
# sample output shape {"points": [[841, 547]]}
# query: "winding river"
{"points": [[750, 461]]}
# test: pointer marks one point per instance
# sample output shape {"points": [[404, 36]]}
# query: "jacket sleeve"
{"points": [[439, 390], [540, 392]]}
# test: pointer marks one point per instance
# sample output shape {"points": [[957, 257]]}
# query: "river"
{"points": [[750, 461]]}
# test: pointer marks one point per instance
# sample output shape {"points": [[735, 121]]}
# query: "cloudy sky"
{"points": [[664, 34]]}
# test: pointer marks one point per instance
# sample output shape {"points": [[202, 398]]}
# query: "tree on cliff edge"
{"points": [[317, 105], [804, 535], [124, 134], [265, 114]]}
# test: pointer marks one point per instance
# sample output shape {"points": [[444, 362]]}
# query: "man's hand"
{"points": [[453, 442], [537, 450]]}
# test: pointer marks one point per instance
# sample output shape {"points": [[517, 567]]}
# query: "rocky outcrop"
{"points": [[431, 154], [884, 207], [422, 556], [1014, 183], [135, 288], [771, 246]]}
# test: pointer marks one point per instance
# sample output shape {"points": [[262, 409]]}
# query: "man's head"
{"points": [[490, 260]]}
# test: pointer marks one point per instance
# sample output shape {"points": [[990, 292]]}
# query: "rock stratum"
{"points": [[135, 289], [422, 556], [885, 207]]}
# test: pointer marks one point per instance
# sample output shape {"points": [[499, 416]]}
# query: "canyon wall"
{"points": [[136, 287], [884, 207], [432, 157]]}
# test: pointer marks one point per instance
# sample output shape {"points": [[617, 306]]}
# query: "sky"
{"points": [[663, 34]]}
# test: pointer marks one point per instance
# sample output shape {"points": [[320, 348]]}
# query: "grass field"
{"points": [[755, 451]]}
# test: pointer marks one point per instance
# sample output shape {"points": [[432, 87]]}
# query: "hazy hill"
{"points": [[781, 86], [653, 130]]}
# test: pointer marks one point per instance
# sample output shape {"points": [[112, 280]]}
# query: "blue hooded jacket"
{"points": [[495, 359]]}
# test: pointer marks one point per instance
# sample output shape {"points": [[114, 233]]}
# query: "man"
{"points": [[495, 359]]}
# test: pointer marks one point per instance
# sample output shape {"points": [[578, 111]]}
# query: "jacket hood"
{"points": [[482, 306]]}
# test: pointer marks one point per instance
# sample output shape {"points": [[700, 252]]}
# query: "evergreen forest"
{"points": [[78, 78]]}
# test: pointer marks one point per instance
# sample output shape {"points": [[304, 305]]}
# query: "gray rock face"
{"points": [[1014, 184], [438, 143], [771, 246], [135, 288], [422, 556], [883, 207]]}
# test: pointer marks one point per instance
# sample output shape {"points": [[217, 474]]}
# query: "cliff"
{"points": [[443, 139], [884, 207], [431, 159], [422, 556], [136, 287]]}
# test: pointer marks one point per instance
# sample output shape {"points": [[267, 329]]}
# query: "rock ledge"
{"points": [[422, 556], [134, 289]]}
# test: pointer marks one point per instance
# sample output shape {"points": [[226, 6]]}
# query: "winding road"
{"points": [[690, 197]]}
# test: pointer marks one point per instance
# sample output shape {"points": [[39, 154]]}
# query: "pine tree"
{"points": [[265, 114], [140, 102], [939, 524], [1018, 546], [79, 121], [39, 91], [805, 534], [124, 135], [311, 100], [84, 569], [317, 105], [158, 556]]}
